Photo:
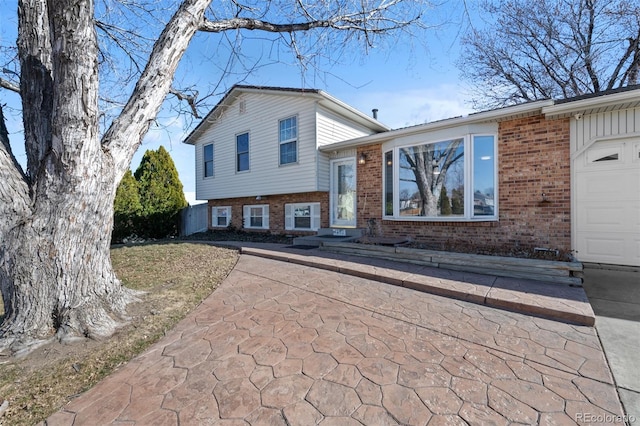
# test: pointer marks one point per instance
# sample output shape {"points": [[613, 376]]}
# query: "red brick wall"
{"points": [[369, 178], [533, 158], [276, 210]]}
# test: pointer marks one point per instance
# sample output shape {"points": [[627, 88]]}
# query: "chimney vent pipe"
{"points": [[375, 113]]}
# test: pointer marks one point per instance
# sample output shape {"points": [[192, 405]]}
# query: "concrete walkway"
{"points": [[615, 297], [281, 343], [550, 300]]}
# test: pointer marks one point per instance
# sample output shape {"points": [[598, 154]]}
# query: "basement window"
{"points": [[302, 216], [220, 217], [256, 217]]}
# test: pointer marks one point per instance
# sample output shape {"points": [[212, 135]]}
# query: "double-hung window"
{"points": [[207, 156], [242, 152], [302, 216], [450, 179], [256, 216], [220, 217], [288, 139]]}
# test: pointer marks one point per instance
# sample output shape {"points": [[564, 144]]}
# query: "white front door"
{"points": [[343, 192], [607, 203]]}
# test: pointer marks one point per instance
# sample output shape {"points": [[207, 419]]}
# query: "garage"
{"points": [[606, 200]]}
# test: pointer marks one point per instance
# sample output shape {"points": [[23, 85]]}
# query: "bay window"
{"points": [[451, 179]]}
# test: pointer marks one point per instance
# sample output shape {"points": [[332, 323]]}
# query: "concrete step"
{"points": [[567, 273], [335, 235], [318, 240]]}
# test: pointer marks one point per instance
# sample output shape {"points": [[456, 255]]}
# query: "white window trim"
{"points": [[204, 162], [235, 141], [214, 216], [295, 139], [246, 216], [289, 219], [396, 145]]}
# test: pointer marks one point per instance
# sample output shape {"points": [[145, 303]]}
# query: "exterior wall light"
{"points": [[362, 159]]}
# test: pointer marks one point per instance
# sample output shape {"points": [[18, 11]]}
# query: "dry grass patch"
{"points": [[176, 278]]}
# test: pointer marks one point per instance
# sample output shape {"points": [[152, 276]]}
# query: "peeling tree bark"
{"points": [[55, 271], [55, 268]]}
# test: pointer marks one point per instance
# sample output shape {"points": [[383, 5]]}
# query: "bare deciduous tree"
{"points": [[56, 216], [551, 49]]}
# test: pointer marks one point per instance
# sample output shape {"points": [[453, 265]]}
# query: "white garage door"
{"points": [[607, 203]]}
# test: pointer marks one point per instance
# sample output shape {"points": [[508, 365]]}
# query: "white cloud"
{"points": [[409, 107]]}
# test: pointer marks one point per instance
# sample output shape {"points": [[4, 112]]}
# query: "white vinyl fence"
{"points": [[193, 219]]}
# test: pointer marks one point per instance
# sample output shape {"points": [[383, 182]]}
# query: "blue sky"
{"points": [[409, 83]]}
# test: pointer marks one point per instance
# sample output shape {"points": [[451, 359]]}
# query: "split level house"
{"points": [[558, 175]]}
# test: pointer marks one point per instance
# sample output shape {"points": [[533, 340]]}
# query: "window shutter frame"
{"points": [[288, 217], [265, 217], [214, 217], [228, 216], [315, 216], [246, 219]]}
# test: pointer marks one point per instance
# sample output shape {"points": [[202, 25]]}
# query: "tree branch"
{"points": [[550, 49], [126, 132], [36, 82], [360, 21], [123, 43], [256, 24], [190, 99], [634, 47], [14, 191], [6, 84]]}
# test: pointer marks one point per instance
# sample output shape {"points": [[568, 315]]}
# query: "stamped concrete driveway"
{"points": [[280, 343]]}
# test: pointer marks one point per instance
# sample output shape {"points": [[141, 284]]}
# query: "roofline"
{"points": [[582, 104], [478, 117], [333, 104], [371, 122], [547, 107]]}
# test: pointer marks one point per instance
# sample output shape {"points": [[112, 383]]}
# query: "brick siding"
{"points": [[276, 210], [533, 158]]}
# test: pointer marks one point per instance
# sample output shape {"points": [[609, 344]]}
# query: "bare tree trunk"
{"points": [[55, 271], [56, 275]]}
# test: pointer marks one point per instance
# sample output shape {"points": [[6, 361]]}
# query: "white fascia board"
{"points": [[344, 109], [211, 117], [231, 96], [479, 117], [583, 105]]}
